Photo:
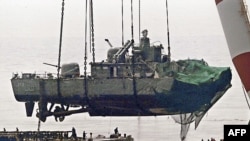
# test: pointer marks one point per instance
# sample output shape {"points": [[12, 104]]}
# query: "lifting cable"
{"points": [[122, 24], [132, 21], [41, 108], [38, 128], [90, 50], [92, 39], [168, 35], [85, 54], [139, 21], [245, 94], [133, 57], [39, 125], [133, 63], [59, 55]]}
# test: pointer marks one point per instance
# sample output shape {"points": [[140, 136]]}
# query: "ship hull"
{"points": [[117, 97]]}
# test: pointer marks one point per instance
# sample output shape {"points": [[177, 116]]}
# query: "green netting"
{"points": [[190, 71]]}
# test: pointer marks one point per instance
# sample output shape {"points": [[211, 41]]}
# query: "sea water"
{"points": [[25, 46]]}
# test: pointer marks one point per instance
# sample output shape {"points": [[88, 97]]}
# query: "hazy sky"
{"points": [[41, 18]]}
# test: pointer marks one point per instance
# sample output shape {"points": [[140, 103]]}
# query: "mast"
{"points": [[235, 22]]}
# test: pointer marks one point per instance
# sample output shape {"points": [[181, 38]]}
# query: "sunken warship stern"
{"points": [[184, 86]]}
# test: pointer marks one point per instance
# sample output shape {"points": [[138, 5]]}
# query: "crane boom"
{"points": [[235, 22]]}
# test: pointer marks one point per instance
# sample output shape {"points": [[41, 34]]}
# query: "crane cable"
{"points": [[244, 91], [132, 21], [133, 58], [139, 21], [85, 54], [245, 94], [58, 67], [122, 23], [92, 39], [168, 34], [60, 41], [140, 108], [39, 125], [59, 54]]}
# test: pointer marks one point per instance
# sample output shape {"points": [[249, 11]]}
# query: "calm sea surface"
{"points": [[29, 37]]}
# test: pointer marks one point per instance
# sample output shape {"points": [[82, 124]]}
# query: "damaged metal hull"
{"points": [[167, 95]]}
